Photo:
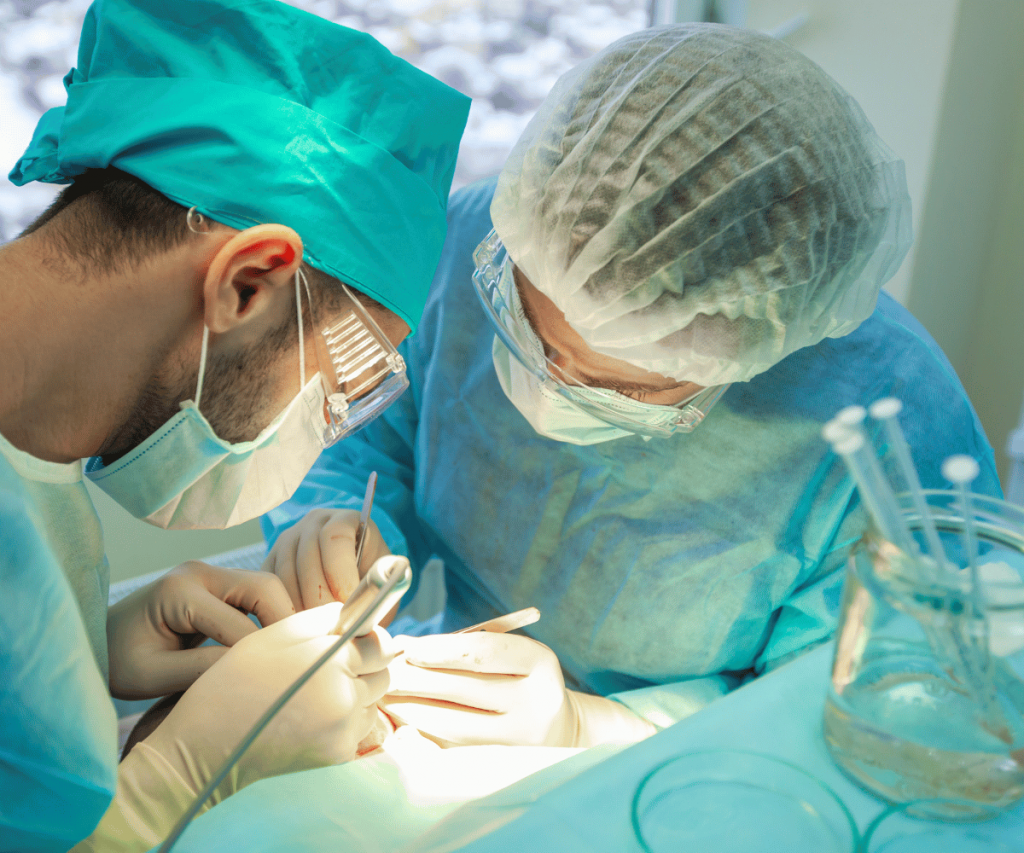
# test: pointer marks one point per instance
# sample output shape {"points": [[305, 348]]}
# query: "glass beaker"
{"points": [[927, 693]]}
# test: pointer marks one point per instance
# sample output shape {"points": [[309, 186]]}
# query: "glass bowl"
{"points": [[732, 801]]}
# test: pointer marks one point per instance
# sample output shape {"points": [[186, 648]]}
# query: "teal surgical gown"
{"points": [[666, 571], [58, 727]]}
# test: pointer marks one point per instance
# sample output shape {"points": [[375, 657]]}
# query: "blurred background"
{"points": [[942, 81]]}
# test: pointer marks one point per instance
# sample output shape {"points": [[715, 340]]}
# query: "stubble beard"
{"points": [[235, 399]]}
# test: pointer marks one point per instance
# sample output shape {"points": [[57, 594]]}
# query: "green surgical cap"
{"points": [[254, 111]]}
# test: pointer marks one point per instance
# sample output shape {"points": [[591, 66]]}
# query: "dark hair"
{"points": [[116, 221], [149, 721], [113, 220]]}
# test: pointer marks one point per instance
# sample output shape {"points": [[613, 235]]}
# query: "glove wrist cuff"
{"points": [[600, 720], [151, 797]]}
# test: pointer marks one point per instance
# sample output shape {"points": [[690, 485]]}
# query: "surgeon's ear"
{"points": [[250, 275]]}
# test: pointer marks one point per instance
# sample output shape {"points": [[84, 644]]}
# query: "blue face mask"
{"points": [[184, 476]]}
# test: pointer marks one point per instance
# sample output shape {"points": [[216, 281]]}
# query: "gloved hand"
{"points": [[147, 632], [483, 688], [319, 726], [316, 557]]}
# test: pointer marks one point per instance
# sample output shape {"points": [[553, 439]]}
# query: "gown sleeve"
{"points": [[58, 728]]}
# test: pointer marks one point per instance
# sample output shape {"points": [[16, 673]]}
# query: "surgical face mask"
{"points": [[550, 414], [184, 476]]}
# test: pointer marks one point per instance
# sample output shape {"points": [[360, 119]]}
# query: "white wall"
{"points": [[892, 56], [135, 548], [967, 284], [994, 350], [943, 83]]}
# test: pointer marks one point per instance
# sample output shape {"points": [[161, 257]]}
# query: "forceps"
{"points": [[364, 516]]}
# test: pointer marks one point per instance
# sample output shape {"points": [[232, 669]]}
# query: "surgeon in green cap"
{"points": [[253, 191]]}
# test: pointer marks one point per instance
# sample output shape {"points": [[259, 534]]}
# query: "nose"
{"points": [[563, 364], [557, 359], [553, 355]]}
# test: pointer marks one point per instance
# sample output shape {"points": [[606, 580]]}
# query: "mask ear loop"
{"points": [[197, 225], [202, 364], [298, 311]]}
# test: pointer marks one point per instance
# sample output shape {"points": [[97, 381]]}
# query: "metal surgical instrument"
{"points": [[364, 516]]}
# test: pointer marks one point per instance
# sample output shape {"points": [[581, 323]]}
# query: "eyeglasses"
{"points": [[495, 285], [360, 369]]}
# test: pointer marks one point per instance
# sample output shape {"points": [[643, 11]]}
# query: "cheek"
{"points": [[283, 381], [313, 356]]}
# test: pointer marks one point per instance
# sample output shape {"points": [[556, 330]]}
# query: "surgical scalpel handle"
{"points": [[364, 516]]}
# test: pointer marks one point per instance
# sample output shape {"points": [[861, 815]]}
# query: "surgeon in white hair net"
{"points": [[634, 338]]}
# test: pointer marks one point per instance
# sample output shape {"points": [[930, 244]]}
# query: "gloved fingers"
{"points": [[361, 655], [309, 567], [338, 552], [254, 592], [341, 735], [503, 654], [174, 671], [483, 691], [407, 742], [373, 687], [313, 627], [381, 730], [359, 724], [374, 549], [280, 562], [372, 652], [350, 691], [445, 724], [306, 625], [206, 614]]}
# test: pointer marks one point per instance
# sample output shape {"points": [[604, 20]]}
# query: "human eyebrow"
{"points": [[625, 387]]}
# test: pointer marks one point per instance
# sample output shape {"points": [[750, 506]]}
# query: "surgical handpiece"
{"points": [[379, 590]]}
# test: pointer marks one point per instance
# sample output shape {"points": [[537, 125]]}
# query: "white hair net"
{"points": [[701, 201]]}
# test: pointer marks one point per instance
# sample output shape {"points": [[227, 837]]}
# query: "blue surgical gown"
{"points": [[666, 571], [58, 727]]}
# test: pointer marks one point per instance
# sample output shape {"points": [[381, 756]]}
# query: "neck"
{"points": [[77, 349]]}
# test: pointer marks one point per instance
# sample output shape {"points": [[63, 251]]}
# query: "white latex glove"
{"points": [[150, 633], [321, 725], [316, 557], [482, 688]]}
